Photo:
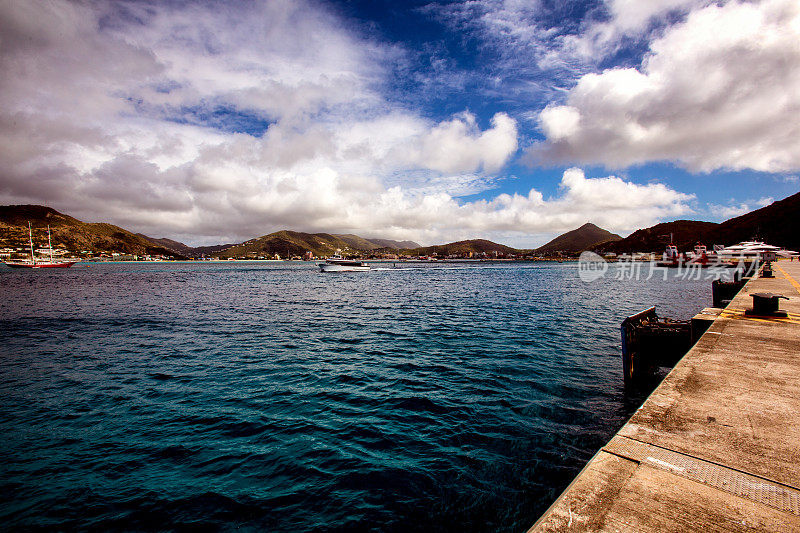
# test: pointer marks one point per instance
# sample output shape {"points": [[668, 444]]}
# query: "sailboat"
{"points": [[33, 263]]}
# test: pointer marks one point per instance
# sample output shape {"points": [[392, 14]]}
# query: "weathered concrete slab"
{"points": [[592, 495], [717, 445]]}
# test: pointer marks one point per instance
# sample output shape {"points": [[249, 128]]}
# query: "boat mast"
{"points": [[30, 237], [49, 244]]}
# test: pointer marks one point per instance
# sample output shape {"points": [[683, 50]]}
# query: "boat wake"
{"points": [[430, 267]]}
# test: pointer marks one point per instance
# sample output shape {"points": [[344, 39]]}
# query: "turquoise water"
{"points": [[273, 397]]}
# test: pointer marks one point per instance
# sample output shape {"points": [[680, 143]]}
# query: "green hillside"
{"points": [[476, 246], [357, 243], [288, 243], [394, 245], [70, 233]]}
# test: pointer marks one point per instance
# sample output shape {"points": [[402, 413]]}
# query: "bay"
{"points": [[270, 396]]}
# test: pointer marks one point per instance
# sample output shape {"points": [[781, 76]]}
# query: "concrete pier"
{"points": [[716, 447]]}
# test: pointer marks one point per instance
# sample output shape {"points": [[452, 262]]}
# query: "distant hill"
{"points": [[586, 237], [169, 244], [685, 234], [185, 250], [394, 245], [476, 246], [357, 243], [75, 235], [199, 251], [360, 243], [287, 242], [777, 224], [70, 233], [296, 243]]}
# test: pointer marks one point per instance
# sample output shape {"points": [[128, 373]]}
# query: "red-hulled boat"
{"points": [[40, 264], [33, 263]]}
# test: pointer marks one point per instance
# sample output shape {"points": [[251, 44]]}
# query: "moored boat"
{"points": [[671, 257], [701, 256], [752, 251], [33, 263], [40, 264], [698, 257]]}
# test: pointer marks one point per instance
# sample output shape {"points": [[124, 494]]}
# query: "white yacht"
{"points": [[751, 250], [337, 263]]}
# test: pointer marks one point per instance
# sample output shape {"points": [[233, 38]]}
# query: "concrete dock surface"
{"points": [[716, 447]]}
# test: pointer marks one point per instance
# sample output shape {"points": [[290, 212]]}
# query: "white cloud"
{"points": [[538, 48], [517, 40], [765, 201], [560, 122], [107, 112], [626, 19], [734, 209], [611, 202], [458, 146], [719, 90], [724, 212], [634, 15]]}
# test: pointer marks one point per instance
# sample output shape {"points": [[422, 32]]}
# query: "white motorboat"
{"points": [[338, 263]]}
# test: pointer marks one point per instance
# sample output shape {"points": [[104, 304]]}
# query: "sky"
{"points": [[511, 120]]}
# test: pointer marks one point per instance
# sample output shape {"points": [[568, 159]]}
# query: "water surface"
{"points": [[269, 396]]}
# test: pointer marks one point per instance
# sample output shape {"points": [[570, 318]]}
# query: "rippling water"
{"points": [[273, 397]]}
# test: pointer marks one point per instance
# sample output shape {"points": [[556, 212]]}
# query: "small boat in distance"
{"points": [[701, 256], [670, 257], [337, 263], [32, 263]]}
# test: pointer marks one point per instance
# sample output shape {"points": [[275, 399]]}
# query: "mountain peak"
{"points": [[584, 238]]}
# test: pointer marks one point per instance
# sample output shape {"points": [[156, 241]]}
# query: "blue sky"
{"points": [[432, 32], [434, 121]]}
